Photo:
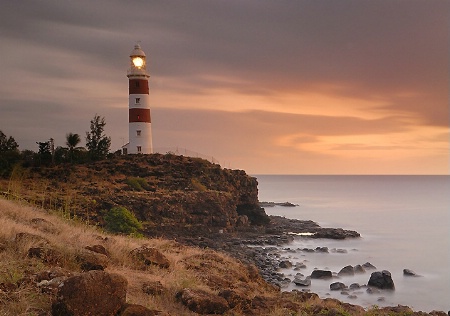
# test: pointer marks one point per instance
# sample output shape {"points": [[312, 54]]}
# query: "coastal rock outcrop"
{"points": [[381, 280], [321, 274]]}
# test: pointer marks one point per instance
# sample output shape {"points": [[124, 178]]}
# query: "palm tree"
{"points": [[72, 140]]}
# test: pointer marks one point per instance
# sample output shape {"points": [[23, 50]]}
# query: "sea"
{"points": [[404, 222]]}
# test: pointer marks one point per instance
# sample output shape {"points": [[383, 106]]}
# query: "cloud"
{"points": [[275, 80]]}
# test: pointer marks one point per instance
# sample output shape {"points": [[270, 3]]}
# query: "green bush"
{"points": [[138, 184], [121, 220]]}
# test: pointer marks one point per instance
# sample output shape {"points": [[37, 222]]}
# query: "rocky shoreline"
{"points": [[261, 247], [247, 244]]}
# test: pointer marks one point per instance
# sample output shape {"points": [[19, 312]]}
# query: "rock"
{"points": [[91, 293], [381, 280], [300, 281], [285, 264], [368, 266], [151, 256], [354, 286], [46, 254], [335, 233], [337, 286], [321, 274], [371, 290], [346, 271], [98, 249], [90, 260], [322, 249], [359, 269], [236, 298], [202, 302], [408, 272], [153, 288], [138, 310]]}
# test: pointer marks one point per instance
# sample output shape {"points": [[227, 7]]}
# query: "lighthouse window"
{"points": [[138, 100], [138, 133], [136, 84], [139, 149]]}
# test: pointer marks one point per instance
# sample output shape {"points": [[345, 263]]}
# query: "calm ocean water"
{"points": [[404, 222]]}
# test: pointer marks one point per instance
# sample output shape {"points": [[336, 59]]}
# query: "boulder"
{"points": [[45, 253], [354, 286], [285, 264], [153, 288], [337, 286], [98, 249], [90, 260], [91, 293], [151, 256], [368, 266], [381, 280], [202, 302], [347, 271], [321, 274], [300, 281], [236, 298], [408, 272], [359, 269]]}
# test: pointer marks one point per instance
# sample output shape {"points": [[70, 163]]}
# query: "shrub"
{"points": [[138, 184], [121, 220]]}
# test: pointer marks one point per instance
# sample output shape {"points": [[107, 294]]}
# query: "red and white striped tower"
{"points": [[140, 130]]}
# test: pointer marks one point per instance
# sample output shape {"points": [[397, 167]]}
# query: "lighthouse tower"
{"points": [[140, 131]]}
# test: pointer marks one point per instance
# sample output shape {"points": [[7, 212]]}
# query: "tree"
{"points": [[9, 153], [44, 152], [72, 140], [97, 142], [7, 143]]}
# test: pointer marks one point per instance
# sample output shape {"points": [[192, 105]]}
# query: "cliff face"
{"points": [[164, 191]]}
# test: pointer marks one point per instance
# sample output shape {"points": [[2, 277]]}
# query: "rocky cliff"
{"points": [[168, 193]]}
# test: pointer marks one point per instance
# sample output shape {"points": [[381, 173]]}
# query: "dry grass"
{"points": [[190, 267]]}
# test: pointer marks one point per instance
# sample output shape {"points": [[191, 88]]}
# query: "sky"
{"points": [[271, 87]]}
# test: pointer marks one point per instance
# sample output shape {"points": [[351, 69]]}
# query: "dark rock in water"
{"points": [[339, 250], [322, 249], [298, 280], [381, 280], [346, 271], [354, 286], [368, 266], [408, 272], [321, 274], [335, 233], [337, 286], [285, 264], [371, 290], [300, 265], [359, 269]]}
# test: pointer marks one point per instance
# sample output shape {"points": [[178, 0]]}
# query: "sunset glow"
{"points": [[303, 87]]}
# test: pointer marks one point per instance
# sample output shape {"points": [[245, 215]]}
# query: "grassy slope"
{"points": [[189, 267]]}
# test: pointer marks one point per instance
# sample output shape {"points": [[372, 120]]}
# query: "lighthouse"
{"points": [[139, 119]]}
